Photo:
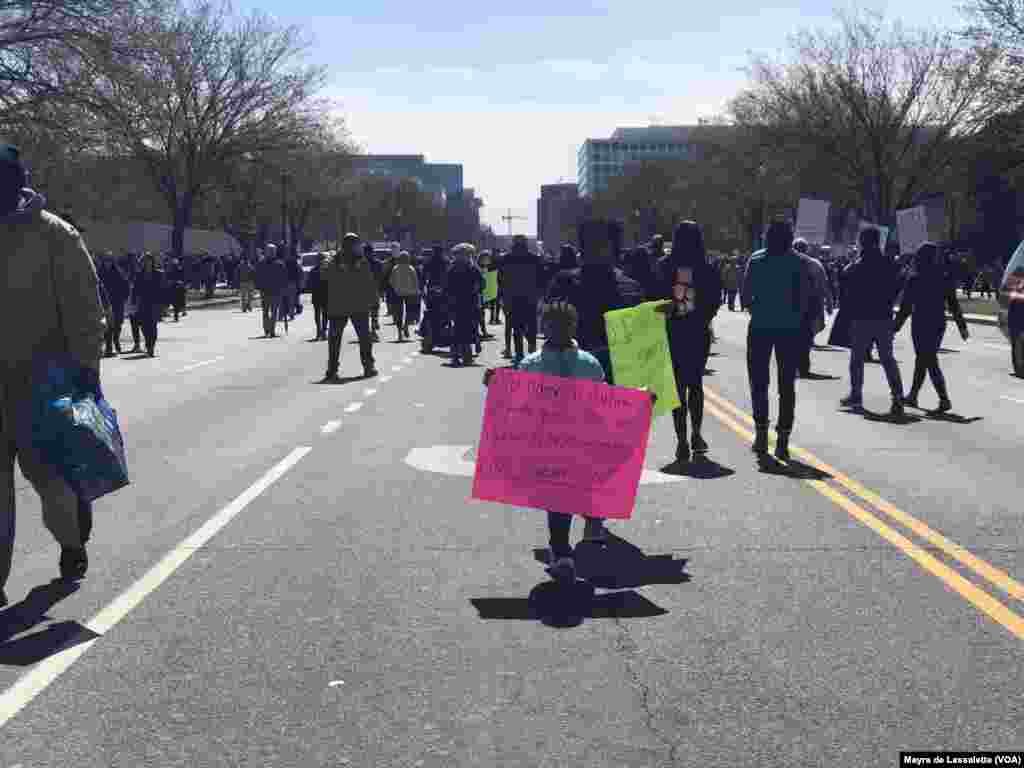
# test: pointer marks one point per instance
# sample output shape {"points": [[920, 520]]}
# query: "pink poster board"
{"points": [[565, 445]]}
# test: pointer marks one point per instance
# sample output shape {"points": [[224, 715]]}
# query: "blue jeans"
{"points": [[866, 333]]}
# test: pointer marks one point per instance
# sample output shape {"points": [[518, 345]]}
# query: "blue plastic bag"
{"points": [[76, 431]]}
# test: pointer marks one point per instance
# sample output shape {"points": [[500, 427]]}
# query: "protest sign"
{"points": [[912, 225], [638, 346], [491, 287], [566, 445], [812, 220]]}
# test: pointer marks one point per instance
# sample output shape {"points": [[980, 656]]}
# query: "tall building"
{"points": [[598, 160], [444, 180], [558, 211]]}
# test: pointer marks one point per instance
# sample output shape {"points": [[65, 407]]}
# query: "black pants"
{"points": [[361, 322], [149, 322], [559, 528], [112, 336], [320, 319], [495, 311], [398, 314], [806, 343], [760, 345], [927, 343], [136, 329], [271, 304], [521, 315], [731, 297]]}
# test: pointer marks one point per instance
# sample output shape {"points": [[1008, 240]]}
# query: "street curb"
{"points": [[212, 304], [978, 319]]}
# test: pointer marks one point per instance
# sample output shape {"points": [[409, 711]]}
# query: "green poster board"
{"points": [[491, 286], [638, 345]]}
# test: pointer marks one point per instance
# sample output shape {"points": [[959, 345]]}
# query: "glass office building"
{"points": [[598, 160]]}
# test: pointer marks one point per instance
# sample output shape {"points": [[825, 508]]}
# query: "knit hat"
{"points": [[12, 172]]}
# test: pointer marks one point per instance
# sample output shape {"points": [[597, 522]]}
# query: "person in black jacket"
{"points": [[874, 283], [928, 293], [149, 292], [318, 292], [640, 268], [465, 283], [521, 286], [694, 288], [117, 287], [596, 287]]}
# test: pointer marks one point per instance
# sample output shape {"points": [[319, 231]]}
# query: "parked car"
{"points": [[1011, 308]]}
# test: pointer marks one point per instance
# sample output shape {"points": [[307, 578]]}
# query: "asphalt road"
{"points": [[284, 584]]}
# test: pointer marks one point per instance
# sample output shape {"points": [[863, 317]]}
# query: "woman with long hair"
{"points": [[927, 295], [149, 293], [694, 288]]}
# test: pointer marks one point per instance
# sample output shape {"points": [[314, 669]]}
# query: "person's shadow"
{"points": [[768, 464], [701, 468], [30, 613], [885, 418]]}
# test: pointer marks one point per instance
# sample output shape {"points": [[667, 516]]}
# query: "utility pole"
{"points": [[509, 218]]}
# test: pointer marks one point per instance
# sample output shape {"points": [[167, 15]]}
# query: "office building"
{"points": [[443, 180], [558, 211], [599, 160]]}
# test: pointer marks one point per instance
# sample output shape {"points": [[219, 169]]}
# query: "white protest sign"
{"points": [[912, 224], [812, 220]]}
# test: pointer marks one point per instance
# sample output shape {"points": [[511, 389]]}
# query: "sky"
{"points": [[512, 91]]}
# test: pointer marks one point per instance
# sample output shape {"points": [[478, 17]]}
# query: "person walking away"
{"points": [[405, 284], [176, 288], [730, 282], [390, 297], [484, 263], [150, 294], [271, 277], [775, 290], [596, 287], [377, 269], [928, 293], [465, 282], [496, 262], [561, 356], [51, 295], [522, 291], [318, 293], [694, 291], [246, 283], [117, 288], [352, 294], [874, 284], [133, 269], [294, 283], [819, 302]]}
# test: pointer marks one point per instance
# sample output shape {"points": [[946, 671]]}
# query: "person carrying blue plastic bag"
{"points": [[51, 297]]}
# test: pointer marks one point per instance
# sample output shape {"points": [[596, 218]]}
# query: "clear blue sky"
{"points": [[512, 90]]}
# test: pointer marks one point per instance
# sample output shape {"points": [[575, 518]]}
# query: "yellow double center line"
{"points": [[733, 418]]}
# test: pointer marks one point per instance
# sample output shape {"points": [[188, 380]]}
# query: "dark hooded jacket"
{"points": [[523, 275], [593, 290], [928, 293], [874, 283], [638, 267]]}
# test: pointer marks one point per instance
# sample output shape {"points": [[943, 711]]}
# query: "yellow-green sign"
{"points": [[491, 286], [638, 345]]}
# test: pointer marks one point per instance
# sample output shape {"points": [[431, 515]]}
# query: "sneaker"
{"points": [[944, 406], [563, 570], [851, 401], [760, 446], [507, 354], [896, 409], [74, 562], [699, 446], [682, 453], [369, 372], [910, 401], [331, 376]]}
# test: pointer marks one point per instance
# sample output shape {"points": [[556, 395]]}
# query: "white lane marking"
{"points": [[396, 368], [1012, 399], [37, 679], [1000, 347], [188, 368], [353, 407], [385, 379], [451, 460], [369, 392], [407, 359], [330, 426]]}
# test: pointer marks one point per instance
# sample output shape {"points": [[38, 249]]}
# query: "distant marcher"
{"points": [[522, 289], [694, 290], [117, 286], [639, 267], [926, 297], [352, 294], [730, 282], [291, 291], [465, 283], [246, 283], [149, 292], [874, 284], [776, 290], [819, 302], [318, 294], [405, 284], [271, 279], [377, 269], [59, 314]]}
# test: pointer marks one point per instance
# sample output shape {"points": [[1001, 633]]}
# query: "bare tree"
{"points": [[203, 90], [882, 110]]}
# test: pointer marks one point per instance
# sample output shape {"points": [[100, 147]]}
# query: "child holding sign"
{"points": [[561, 356]]}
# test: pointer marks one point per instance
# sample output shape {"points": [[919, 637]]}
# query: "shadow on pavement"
{"points": [[952, 418], [136, 356], [701, 468], [820, 377], [565, 606], [618, 564], [474, 364], [31, 612], [885, 418], [797, 470], [340, 380]]}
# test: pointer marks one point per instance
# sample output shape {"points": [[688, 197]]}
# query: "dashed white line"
{"points": [[1012, 399], [188, 368], [353, 407], [330, 426], [396, 368], [369, 392], [36, 680], [385, 379], [407, 359], [1000, 347]]}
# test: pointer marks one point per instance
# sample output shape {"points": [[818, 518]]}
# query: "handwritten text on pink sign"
{"points": [[565, 445]]}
